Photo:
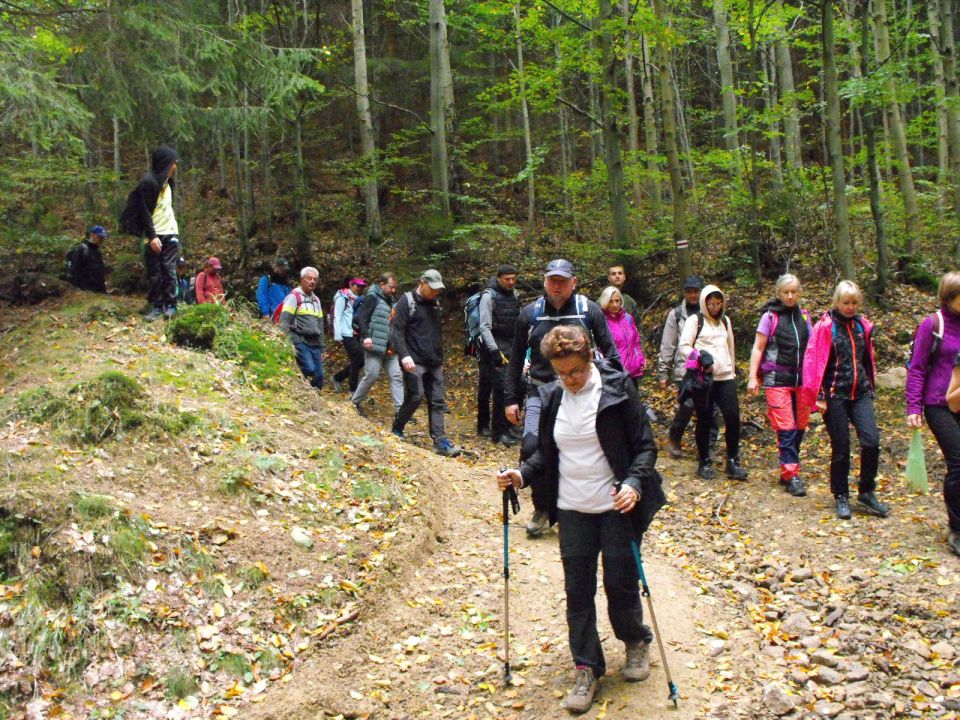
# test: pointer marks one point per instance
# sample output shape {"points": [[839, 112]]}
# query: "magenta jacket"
{"points": [[928, 377], [818, 354], [627, 339]]}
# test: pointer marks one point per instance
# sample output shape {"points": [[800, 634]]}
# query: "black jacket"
{"points": [[137, 216], [417, 333], [540, 369], [625, 437], [89, 271]]}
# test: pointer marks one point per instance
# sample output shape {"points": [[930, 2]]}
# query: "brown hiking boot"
{"points": [[584, 690], [637, 666], [539, 524]]}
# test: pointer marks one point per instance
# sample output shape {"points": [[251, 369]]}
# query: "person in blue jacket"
{"points": [[273, 288]]}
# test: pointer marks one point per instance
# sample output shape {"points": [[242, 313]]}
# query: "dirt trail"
{"points": [[436, 649]]}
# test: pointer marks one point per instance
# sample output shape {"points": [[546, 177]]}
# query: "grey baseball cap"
{"points": [[433, 279], [561, 267]]}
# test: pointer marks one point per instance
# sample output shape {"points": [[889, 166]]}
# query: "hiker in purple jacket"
{"points": [[931, 364]]}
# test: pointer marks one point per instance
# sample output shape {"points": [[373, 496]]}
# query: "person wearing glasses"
{"points": [[594, 469]]}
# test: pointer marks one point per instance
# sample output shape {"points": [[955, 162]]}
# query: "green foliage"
{"points": [[127, 275], [254, 575], [196, 326], [265, 357], [180, 683]]}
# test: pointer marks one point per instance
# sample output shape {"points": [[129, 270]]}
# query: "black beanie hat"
{"points": [[506, 269]]}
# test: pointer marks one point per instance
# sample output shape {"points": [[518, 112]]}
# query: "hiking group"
{"points": [[560, 377]]}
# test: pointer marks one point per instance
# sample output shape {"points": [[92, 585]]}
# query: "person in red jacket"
{"points": [[209, 286]]}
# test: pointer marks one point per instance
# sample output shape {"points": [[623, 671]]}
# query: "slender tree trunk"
{"points": [[596, 137], [873, 170], [527, 141], [439, 161], [370, 189], [940, 95], [267, 165], [682, 127], [904, 173], [240, 201], [116, 146], [841, 220], [791, 119], [728, 92], [679, 201], [770, 84], [633, 137], [251, 200], [611, 131], [651, 146], [953, 104], [301, 236], [566, 153], [222, 190]]}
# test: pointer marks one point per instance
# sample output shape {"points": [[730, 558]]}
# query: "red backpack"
{"points": [[279, 309]]}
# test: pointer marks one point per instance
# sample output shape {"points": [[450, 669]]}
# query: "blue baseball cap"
{"points": [[561, 267], [99, 230]]}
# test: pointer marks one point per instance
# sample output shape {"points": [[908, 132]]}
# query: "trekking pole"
{"points": [[510, 499], [635, 548]]}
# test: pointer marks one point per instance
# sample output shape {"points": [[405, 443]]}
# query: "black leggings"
{"points": [[838, 418], [352, 369], [945, 426], [722, 395]]}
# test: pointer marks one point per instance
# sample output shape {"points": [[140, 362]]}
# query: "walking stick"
{"points": [[635, 548], [510, 499]]}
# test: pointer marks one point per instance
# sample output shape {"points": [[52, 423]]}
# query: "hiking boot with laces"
{"points": [[637, 666], [734, 471], [336, 384], [868, 503], [705, 471], [843, 507], [797, 487], [446, 448], [169, 312], [673, 449], [360, 411], [539, 524], [584, 690], [953, 542], [154, 314], [506, 439]]}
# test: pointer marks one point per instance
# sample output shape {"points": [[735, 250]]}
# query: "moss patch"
{"points": [[197, 326]]}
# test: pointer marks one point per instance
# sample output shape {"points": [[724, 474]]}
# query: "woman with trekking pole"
{"points": [[594, 438]]}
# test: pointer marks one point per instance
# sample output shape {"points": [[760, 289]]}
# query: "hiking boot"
{"points": [[506, 439], [953, 542], [868, 503], [584, 690], [398, 434], [704, 471], [169, 312], [483, 432], [154, 314], [337, 385], [797, 487], [637, 666], [843, 507], [538, 525], [673, 449], [734, 471], [360, 411], [446, 448]]}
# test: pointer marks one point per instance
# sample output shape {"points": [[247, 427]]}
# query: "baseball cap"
{"points": [[693, 283], [281, 263], [433, 279], [99, 230], [214, 263], [560, 267], [358, 281], [181, 261]]}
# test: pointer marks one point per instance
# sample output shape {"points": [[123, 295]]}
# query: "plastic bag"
{"points": [[917, 465]]}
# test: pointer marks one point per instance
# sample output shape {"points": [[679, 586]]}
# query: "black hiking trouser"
{"points": [[491, 386], [682, 417], [162, 272], [838, 418], [723, 397], [945, 426], [584, 536], [354, 350], [424, 382]]}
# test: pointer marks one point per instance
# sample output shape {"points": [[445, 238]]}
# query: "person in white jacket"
{"points": [[711, 332]]}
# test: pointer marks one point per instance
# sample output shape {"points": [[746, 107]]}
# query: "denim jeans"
{"points": [[945, 426], [310, 360], [373, 363], [723, 396], [838, 418], [423, 382], [583, 537], [491, 384]]}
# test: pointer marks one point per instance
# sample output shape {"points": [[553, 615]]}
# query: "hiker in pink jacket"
{"points": [[838, 381], [623, 328]]}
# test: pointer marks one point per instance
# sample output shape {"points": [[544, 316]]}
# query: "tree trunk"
{"points": [[678, 198], [596, 138], [728, 93], [301, 236], [611, 131], [651, 146], [116, 146], [240, 201], [370, 189], [791, 119], [904, 173], [940, 95], [682, 134], [527, 141], [770, 84], [439, 161], [841, 222], [566, 153], [633, 137], [953, 104]]}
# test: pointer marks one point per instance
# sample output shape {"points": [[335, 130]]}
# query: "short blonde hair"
{"points": [[566, 340], [846, 289], [607, 295], [784, 280], [949, 287]]}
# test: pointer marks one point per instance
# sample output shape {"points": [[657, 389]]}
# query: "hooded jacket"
{"points": [[670, 363], [623, 328], [625, 438], [716, 337], [271, 291], [817, 357], [137, 216], [929, 376]]}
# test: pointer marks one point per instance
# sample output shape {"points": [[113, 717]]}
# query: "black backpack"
{"points": [[74, 257]]}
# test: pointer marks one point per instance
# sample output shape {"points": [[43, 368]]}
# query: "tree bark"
{"points": [[301, 236], [439, 161], [651, 145], [770, 85], [940, 95], [527, 140], [904, 172], [791, 119], [728, 93], [953, 104], [633, 136], [367, 149], [678, 199], [841, 222], [611, 131]]}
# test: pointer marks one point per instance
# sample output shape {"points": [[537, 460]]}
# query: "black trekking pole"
{"points": [[635, 548], [510, 499]]}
